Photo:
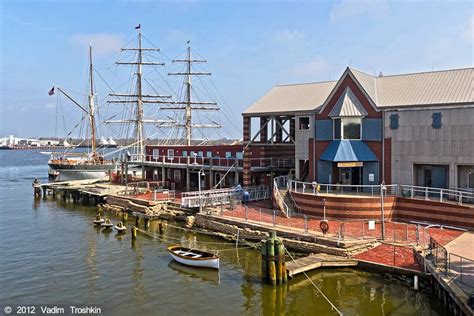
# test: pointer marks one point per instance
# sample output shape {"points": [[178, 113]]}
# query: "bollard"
{"points": [[160, 227], [260, 211], [274, 218], [134, 233], [415, 283], [246, 213], [154, 195], [264, 253], [271, 260]]}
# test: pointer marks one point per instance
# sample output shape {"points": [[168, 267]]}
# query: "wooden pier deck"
{"points": [[317, 261]]}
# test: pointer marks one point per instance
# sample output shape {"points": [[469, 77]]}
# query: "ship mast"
{"points": [[91, 111], [91, 106], [188, 105], [139, 98]]}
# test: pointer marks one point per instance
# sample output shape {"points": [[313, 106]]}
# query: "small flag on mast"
{"points": [[51, 92], [138, 26]]}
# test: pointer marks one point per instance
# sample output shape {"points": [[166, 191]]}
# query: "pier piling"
{"points": [[273, 261]]}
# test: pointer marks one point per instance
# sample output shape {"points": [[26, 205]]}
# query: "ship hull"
{"points": [[61, 172]]}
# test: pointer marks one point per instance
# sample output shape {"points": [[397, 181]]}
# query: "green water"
{"points": [[51, 254]]}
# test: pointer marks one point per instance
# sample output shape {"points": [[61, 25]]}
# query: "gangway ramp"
{"points": [[315, 261]]}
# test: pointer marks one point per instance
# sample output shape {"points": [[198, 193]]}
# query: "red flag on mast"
{"points": [[51, 92]]}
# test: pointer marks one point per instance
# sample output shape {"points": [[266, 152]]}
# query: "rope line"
{"points": [[203, 242], [333, 307]]}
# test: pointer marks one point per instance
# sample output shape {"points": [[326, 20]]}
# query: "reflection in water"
{"points": [[127, 278], [200, 274], [139, 290], [91, 265]]}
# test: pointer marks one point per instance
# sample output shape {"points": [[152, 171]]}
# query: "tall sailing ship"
{"points": [[177, 127], [75, 165]]}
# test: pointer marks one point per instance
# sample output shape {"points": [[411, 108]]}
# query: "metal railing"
{"points": [[461, 269], [316, 188], [438, 255], [458, 196], [216, 161], [279, 199], [222, 196]]}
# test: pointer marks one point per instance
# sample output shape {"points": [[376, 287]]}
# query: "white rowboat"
{"points": [[193, 257]]}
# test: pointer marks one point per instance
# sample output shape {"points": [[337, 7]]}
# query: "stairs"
{"points": [[288, 200]]}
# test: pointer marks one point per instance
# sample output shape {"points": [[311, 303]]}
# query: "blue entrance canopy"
{"points": [[348, 150]]}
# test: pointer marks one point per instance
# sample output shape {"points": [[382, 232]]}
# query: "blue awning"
{"points": [[348, 150]]}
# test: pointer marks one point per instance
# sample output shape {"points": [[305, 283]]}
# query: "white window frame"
{"points": [[170, 153], [168, 174], [155, 153], [209, 154], [177, 175], [342, 128], [309, 123]]}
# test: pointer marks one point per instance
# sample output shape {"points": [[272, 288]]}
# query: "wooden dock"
{"points": [[315, 261]]}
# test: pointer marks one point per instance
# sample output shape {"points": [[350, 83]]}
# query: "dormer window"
{"points": [[347, 114], [348, 128]]}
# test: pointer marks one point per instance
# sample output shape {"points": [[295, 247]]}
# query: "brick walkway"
{"points": [[391, 255], [403, 233]]}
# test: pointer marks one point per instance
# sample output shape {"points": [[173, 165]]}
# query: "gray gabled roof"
{"points": [[292, 98], [348, 105], [447, 87]]}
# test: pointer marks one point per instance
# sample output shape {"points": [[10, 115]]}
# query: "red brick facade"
{"points": [[395, 208]]}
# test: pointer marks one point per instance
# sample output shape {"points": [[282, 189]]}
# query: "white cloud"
{"points": [[312, 69], [351, 9], [102, 43], [50, 106], [468, 32], [288, 36]]}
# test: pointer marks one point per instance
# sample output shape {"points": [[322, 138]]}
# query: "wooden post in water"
{"points": [[160, 227], [137, 221], [264, 253], [147, 222], [271, 259], [283, 263], [278, 263], [134, 232]]}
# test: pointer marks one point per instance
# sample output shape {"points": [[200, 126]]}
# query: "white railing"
{"points": [[442, 195], [216, 161], [409, 191], [316, 188], [222, 196]]}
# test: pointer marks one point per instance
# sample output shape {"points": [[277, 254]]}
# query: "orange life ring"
{"points": [[324, 226]]}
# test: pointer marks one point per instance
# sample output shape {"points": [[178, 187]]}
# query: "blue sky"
{"points": [[250, 46]]}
